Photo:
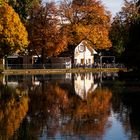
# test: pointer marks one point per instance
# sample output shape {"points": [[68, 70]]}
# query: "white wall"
{"points": [[86, 55]]}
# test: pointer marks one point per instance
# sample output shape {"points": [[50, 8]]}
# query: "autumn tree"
{"points": [[46, 38], [13, 35], [119, 33], [86, 20]]}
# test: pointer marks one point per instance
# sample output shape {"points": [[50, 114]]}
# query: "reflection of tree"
{"points": [[12, 111], [125, 104], [91, 116], [55, 110], [46, 108], [132, 103]]}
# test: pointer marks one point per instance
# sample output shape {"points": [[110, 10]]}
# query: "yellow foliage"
{"points": [[13, 35], [11, 115]]}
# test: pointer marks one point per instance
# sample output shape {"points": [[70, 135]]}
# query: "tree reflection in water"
{"points": [[13, 108], [54, 110], [125, 105]]}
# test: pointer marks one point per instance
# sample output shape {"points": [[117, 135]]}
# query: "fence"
{"points": [[59, 66]]}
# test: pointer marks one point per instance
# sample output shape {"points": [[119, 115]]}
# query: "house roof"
{"points": [[15, 55]]}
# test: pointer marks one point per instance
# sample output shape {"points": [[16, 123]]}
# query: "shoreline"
{"points": [[57, 71]]}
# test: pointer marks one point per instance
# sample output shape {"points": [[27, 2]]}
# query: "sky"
{"points": [[113, 5]]}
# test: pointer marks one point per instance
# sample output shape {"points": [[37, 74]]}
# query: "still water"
{"points": [[87, 106]]}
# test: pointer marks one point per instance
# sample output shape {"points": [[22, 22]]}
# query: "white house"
{"points": [[84, 54]]}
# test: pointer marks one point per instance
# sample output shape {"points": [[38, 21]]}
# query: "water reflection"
{"points": [[13, 109], [126, 106], [60, 112], [84, 83], [66, 106]]}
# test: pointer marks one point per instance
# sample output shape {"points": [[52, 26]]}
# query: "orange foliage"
{"points": [[80, 117], [95, 110], [44, 33], [97, 103], [88, 20]]}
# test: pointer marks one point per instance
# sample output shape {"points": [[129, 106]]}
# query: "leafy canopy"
{"points": [[87, 20], [119, 33], [22, 7], [13, 35], [45, 36]]}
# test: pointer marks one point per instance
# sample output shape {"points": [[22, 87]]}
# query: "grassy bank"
{"points": [[47, 71]]}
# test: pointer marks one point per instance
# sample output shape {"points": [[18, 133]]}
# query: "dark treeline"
{"points": [[125, 34]]}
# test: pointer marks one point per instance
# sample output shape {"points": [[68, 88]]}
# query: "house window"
{"points": [[82, 77], [89, 61], [82, 61], [81, 48], [75, 61]]}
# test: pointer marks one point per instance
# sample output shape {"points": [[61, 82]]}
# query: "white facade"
{"points": [[84, 54]]}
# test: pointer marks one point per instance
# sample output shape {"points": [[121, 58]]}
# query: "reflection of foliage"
{"points": [[12, 111], [91, 115], [99, 101], [125, 104], [117, 87], [57, 110], [46, 104]]}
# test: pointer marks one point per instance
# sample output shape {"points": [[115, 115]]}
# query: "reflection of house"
{"points": [[84, 84], [84, 54]]}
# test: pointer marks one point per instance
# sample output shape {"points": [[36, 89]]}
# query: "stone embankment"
{"points": [[55, 71]]}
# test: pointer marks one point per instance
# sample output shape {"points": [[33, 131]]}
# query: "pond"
{"points": [[81, 106]]}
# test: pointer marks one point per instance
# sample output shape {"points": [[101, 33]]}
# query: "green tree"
{"points": [[0, 2], [13, 35], [119, 33], [131, 55], [23, 7]]}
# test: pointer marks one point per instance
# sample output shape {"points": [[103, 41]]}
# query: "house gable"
{"points": [[84, 54], [83, 47]]}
